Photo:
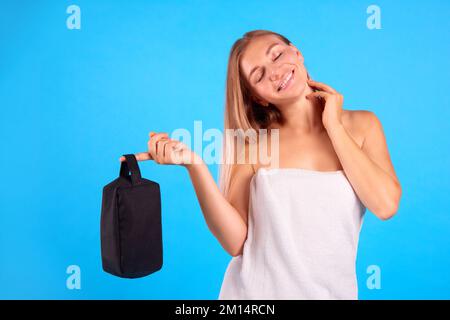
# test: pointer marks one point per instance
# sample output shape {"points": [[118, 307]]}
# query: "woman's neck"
{"points": [[304, 115]]}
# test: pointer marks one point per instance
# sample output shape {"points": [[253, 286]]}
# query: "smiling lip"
{"points": [[288, 83]]}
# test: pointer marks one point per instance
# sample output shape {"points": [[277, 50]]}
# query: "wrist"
{"points": [[195, 162], [335, 127]]}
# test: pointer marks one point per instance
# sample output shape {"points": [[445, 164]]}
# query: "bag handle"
{"points": [[130, 165]]}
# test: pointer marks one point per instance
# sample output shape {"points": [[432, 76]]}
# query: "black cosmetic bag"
{"points": [[130, 227]]}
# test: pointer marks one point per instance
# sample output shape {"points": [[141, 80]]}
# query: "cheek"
{"points": [[291, 56], [265, 90], [301, 71]]}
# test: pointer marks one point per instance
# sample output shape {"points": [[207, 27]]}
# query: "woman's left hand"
{"points": [[332, 111]]}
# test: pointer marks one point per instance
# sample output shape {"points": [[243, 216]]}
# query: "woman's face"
{"points": [[274, 70]]}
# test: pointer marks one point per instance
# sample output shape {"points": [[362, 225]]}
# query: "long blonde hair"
{"points": [[242, 111]]}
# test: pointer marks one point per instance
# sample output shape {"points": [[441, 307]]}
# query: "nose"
{"points": [[275, 74]]}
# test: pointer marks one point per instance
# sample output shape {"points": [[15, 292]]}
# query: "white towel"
{"points": [[303, 231]]}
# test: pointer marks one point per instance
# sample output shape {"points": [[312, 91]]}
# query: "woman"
{"points": [[293, 228]]}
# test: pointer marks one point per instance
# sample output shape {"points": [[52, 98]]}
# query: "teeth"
{"points": [[283, 83]]}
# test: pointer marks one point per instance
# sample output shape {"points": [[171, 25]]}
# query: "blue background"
{"points": [[73, 101]]}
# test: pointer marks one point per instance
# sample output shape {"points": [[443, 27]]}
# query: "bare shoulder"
{"points": [[374, 140], [358, 122]]}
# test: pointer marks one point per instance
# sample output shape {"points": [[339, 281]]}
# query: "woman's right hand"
{"points": [[164, 150], [223, 219]]}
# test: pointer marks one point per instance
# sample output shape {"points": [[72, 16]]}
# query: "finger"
{"points": [[152, 147], [318, 94], [141, 156], [155, 135], [161, 145], [159, 148], [321, 86], [170, 151]]}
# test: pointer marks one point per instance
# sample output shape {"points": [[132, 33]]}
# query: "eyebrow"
{"points": [[267, 52]]}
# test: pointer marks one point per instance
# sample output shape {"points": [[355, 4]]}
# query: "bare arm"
{"points": [[369, 169], [226, 218]]}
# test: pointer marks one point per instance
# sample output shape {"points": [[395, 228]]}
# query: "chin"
{"points": [[297, 89]]}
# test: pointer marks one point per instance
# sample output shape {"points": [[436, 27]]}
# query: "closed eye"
{"points": [[278, 56], [262, 75]]}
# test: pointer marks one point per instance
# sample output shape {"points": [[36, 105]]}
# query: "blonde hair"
{"points": [[242, 111]]}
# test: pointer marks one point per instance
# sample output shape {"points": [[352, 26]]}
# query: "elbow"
{"points": [[391, 207], [237, 248], [237, 252], [387, 213]]}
